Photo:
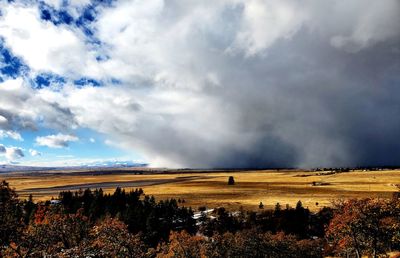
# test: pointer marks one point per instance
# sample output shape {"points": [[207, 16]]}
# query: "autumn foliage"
{"points": [[93, 224], [365, 227]]}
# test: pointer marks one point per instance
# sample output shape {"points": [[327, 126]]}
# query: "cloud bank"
{"points": [[200, 84]]}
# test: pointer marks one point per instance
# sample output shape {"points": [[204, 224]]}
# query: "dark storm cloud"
{"points": [[231, 83], [323, 96]]}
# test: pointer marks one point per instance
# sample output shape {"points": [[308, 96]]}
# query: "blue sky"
{"points": [[91, 147], [244, 83]]}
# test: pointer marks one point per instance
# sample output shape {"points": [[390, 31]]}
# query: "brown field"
{"points": [[200, 188]]}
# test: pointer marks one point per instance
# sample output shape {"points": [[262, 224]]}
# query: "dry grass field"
{"points": [[210, 188]]}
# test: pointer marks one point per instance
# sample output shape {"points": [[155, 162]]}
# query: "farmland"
{"points": [[210, 188]]}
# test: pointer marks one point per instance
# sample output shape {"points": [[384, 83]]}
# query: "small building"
{"points": [[55, 202]]}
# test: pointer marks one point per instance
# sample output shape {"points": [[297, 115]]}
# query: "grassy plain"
{"points": [[199, 188]]}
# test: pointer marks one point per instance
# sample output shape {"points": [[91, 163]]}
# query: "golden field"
{"points": [[210, 188]]}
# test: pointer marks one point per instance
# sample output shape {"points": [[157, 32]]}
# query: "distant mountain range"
{"points": [[112, 164], [103, 164]]}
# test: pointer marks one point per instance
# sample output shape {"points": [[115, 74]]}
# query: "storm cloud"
{"points": [[224, 84]]}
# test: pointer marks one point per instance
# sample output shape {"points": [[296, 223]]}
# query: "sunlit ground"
{"points": [[211, 189]]}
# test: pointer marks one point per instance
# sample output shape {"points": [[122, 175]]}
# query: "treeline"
{"points": [[141, 213], [131, 224]]}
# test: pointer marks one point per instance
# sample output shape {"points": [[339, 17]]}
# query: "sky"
{"points": [[200, 84]]}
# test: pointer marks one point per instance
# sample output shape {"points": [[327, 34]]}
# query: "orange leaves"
{"points": [[246, 243], [110, 238], [364, 227], [181, 244], [40, 214]]}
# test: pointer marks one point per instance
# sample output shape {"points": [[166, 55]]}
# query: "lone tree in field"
{"points": [[231, 181]]}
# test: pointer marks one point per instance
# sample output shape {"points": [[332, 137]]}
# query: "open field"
{"points": [[209, 188]]}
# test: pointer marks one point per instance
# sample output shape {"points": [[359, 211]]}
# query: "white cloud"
{"points": [[3, 121], [25, 108], [54, 3], [14, 153], [373, 23], [11, 153], [56, 141], [79, 2], [16, 101], [44, 46], [34, 153], [92, 140], [265, 22], [11, 134]]}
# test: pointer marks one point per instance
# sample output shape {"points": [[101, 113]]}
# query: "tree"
{"points": [[29, 208], [299, 205], [50, 232], [251, 243], [278, 209], [181, 244], [11, 216], [110, 238], [231, 180], [365, 227]]}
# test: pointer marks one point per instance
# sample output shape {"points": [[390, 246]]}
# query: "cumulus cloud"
{"points": [[45, 46], [24, 108], [56, 141], [11, 134], [11, 153], [264, 22], [227, 84], [34, 153], [14, 153]]}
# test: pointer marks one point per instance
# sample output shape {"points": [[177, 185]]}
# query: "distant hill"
{"points": [[104, 164]]}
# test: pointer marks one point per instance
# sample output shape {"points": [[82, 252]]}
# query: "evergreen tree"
{"points": [[231, 180], [11, 215]]}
